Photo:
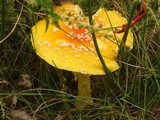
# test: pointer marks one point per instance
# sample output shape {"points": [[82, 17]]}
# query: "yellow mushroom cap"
{"points": [[71, 47]]}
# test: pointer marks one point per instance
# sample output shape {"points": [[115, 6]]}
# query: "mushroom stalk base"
{"points": [[84, 90]]}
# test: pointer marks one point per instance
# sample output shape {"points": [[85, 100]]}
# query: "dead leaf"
{"points": [[24, 81], [3, 81], [14, 100], [19, 115]]}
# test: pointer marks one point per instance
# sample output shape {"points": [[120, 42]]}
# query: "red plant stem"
{"points": [[137, 18]]}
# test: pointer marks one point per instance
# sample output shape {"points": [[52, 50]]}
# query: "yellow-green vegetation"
{"points": [[32, 89]]}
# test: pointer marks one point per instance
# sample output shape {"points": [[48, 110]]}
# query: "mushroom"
{"points": [[69, 45]]}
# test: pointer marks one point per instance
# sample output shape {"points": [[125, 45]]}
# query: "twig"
{"points": [[7, 36]]}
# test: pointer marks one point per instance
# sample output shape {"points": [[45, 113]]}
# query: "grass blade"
{"points": [[106, 70], [3, 20]]}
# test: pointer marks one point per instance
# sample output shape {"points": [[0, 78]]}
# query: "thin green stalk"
{"points": [[159, 8], [3, 20], [122, 48], [2, 110], [147, 58], [106, 70]]}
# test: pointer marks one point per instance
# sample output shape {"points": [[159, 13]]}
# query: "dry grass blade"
{"points": [[14, 27], [63, 116], [158, 8]]}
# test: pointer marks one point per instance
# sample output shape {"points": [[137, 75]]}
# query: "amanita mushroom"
{"points": [[70, 46]]}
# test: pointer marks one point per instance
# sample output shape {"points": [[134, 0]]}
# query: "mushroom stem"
{"points": [[84, 89]]}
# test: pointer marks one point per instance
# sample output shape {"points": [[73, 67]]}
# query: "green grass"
{"points": [[134, 94]]}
